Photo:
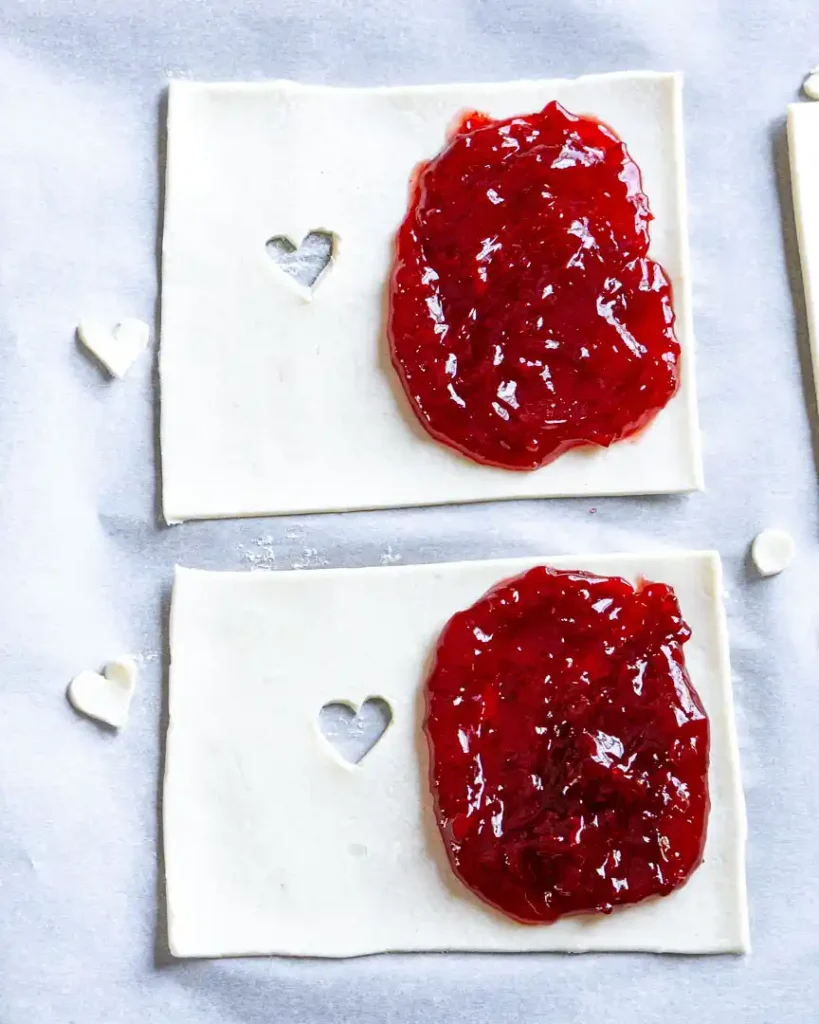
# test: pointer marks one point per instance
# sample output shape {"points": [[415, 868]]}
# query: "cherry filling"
{"points": [[525, 315], [569, 749]]}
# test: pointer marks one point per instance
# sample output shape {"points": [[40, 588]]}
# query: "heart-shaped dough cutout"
{"points": [[303, 265], [353, 732], [117, 347], [107, 698]]}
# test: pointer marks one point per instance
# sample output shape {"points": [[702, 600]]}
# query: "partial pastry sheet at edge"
{"points": [[273, 845], [803, 149]]}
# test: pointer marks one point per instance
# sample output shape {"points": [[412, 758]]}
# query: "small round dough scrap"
{"points": [[105, 697], [772, 551], [810, 86]]}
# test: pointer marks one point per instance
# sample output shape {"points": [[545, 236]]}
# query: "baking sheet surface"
{"points": [[86, 564]]}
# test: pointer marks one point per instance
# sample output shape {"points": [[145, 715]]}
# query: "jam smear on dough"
{"points": [[526, 317], [569, 749]]}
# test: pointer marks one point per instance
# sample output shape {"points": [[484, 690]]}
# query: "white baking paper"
{"points": [[86, 568]]}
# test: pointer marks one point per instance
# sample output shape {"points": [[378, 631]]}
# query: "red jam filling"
{"points": [[569, 749], [525, 316]]}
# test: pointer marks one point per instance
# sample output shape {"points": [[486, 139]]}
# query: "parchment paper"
{"points": [[86, 565]]}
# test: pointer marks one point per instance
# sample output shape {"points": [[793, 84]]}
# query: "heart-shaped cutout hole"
{"points": [[353, 732], [305, 264]]}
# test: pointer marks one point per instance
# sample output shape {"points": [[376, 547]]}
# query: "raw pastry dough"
{"points": [[117, 347], [803, 145], [105, 697], [265, 825], [772, 551], [810, 86], [271, 404]]}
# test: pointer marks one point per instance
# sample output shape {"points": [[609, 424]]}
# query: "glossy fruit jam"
{"points": [[569, 749], [525, 316]]}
